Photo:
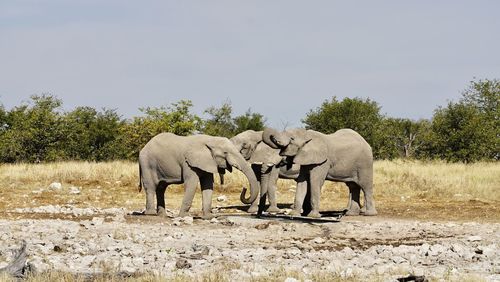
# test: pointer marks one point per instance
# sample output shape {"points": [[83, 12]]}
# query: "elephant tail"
{"points": [[141, 184]]}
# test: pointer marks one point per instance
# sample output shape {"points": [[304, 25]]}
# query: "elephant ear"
{"points": [[265, 155], [201, 158], [314, 151]]}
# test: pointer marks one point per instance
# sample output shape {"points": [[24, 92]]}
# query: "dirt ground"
{"points": [[442, 240]]}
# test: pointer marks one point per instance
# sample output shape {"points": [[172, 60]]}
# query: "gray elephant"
{"points": [[343, 156], [171, 159], [267, 164]]}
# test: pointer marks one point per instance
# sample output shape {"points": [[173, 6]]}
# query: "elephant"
{"points": [[171, 159], [343, 156], [267, 164]]}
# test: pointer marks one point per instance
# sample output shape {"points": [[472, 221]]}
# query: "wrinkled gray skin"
{"points": [[343, 156], [267, 165], [171, 159]]}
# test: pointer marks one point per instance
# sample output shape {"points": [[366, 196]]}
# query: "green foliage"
{"points": [[176, 119], [38, 131], [469, 130], [34, 131], [458, 135], [92, 135], [248, 121], [402, 137], [360, 115], [221, 122]]}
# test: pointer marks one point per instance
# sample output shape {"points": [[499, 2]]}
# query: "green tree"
{"points": [[176, 118], [220, 121], [360, 115], [458, 133], [249, 121], [402, 137], [34, 131], [484, 95], [468, 130]]}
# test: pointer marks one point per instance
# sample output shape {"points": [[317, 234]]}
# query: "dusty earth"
{"points": [[93, 240]]}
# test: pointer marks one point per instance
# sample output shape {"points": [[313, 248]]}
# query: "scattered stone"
{"points": [[318, 240], [474, 238], [74, 190], [222, 198], [398, 260], [187, 220], [97, 221], [177, 235], [55, 186], [182, 263], [262, 226]]}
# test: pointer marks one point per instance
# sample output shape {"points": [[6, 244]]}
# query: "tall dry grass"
{"points": [[114, 184], [402, 178], [437, 179], [71, 172]]}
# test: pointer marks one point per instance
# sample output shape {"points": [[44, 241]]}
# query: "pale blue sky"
{"points": [[280, 58]]}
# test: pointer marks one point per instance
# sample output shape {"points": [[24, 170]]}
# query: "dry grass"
{"points": [[217, 275], [402, 188]]}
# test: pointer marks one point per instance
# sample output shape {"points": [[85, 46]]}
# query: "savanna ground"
{"points": [[421, 205]]}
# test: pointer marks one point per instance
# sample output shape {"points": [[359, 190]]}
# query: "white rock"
{"points": [[187, 220], [291, 279], [318, 240], [222, 198], [97, 221], [398, 259], [74, 190], [474, 238], [55, 186]]}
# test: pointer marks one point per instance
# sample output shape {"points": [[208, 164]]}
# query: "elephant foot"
{"points": [[314, 214], [183, 214], [295, 213], [253, 209], [162, 212], [352, 212], [273, 209], [370, 212], [150, 212], [207, 216]]}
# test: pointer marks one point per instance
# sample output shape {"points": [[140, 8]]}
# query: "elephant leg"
{"points": [[354, 206], [160, 199], [190, 182], [150, 202], [366, 185], [150, 187], [316, 180], [207, 188], [306, 205], [254, 207], [300, 194], [271, 190]]}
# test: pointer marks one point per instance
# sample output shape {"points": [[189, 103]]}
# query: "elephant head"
{"points": [[246, 142], [250, 145], [300, 144], [219, 154]]}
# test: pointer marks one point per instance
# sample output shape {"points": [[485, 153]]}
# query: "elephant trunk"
{"points": [[252, 179], [269, 137]]}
